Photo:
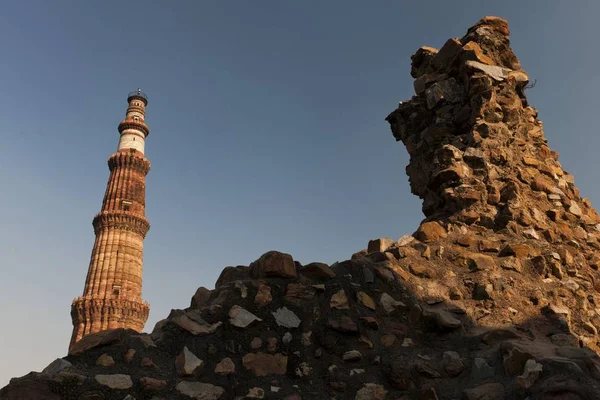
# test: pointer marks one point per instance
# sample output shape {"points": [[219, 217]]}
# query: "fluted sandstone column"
{"points": [[113, 287]]}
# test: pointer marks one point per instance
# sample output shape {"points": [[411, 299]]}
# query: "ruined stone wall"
{"points": [[478, 155], [493, 297]]}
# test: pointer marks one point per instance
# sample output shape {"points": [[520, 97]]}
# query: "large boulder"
{"points": [[430, 231], [200, 298], [274, 264]]}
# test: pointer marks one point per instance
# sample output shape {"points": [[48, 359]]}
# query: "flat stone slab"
{"points": [[241, 317], [115, 381], [200, 390]]}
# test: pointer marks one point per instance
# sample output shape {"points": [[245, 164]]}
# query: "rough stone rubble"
{"points": [[493, 297]]}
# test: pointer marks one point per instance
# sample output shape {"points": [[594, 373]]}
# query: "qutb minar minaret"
{"points": [[112, 296]]}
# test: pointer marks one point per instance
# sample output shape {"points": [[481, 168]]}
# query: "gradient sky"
{"points": [[267, 132]]}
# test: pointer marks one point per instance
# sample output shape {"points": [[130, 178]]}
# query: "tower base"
{"points": [[91, 315]]}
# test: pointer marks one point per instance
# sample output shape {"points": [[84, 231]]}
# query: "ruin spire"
{"points": [[112, 295]]}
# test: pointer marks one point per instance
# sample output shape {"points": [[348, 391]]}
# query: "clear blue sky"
{"points": [[267, 132]]}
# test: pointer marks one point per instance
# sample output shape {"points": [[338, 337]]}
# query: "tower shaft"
{"points": [[112, 295]]}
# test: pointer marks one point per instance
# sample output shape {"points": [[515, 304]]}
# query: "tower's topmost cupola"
{"points": [[133, 128], [137, 95]]}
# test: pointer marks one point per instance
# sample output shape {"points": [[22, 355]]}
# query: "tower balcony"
{"points": [[134, 124], [121, 220]]}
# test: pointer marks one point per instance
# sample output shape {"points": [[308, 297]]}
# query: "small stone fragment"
{"points": [[455, 294], [263, 296], [511, 263], [240, 287], [256, 343], [303, 369], [574, 209], [339, 300], [384, 272], [489, 246], [255, 393], [129, 355], [426, 370], [371, 391], [186, 363], [262, 364], [286, 318], [591, 329], [483, 292], [389, 304], [530, 374], [152, 384], [519, 250], [56, 366], [200, 390], [366, 341], [419, 270], [147, 363], [195, 324], [440, 320], [115, 381], [531, 234], [379, 245], [366, 300], [452, 363], [298, 293], [446, 91], [352, 355], [306, 341], [71, 377], [105, 360], [514, 357], [225, 367], [405, 240], [241, 317], [494, 71], [388, 340], [272, 344]]}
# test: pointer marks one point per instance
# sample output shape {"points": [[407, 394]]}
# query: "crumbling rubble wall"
{"points": [[494, 296]]}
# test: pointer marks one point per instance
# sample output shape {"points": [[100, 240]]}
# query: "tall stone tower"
{"points": [[112, 296]]}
